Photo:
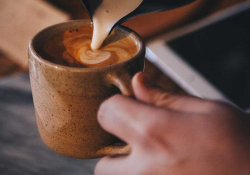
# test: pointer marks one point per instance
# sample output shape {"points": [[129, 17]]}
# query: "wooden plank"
{"points": [[20, 20]]}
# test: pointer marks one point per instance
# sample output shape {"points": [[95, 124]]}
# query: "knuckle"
{"points": [[222, 110], [148, 133], [150, 129], [213, 106], [165, 99]]}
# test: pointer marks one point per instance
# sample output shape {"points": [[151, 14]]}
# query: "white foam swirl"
{"points": [[116, 49], [93, 57]]}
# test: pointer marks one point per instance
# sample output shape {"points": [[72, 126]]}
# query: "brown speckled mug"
{"points": [[67, 99]]}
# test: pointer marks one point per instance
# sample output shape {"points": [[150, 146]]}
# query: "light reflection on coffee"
{"points": [[72, 48]]}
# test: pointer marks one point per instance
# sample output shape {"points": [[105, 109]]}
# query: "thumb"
{"points": [[147, 91]]}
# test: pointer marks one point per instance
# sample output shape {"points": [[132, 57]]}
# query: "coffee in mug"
{"points": [[72, 48]]}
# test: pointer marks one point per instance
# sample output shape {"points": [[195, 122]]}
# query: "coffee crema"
{"points": [[73, 48]]}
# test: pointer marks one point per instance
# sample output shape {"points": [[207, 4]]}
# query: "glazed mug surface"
{"points": [[67, 99]]}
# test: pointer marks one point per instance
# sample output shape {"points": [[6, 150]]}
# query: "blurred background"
{"points": [[21, 148]]}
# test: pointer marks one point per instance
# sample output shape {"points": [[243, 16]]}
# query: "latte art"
{"points": [[75, 46], [78, 48], [93, 57]]}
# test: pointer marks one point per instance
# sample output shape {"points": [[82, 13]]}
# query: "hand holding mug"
{"points": [[174, 134]]}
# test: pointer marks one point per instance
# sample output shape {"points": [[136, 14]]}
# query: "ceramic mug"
{"points": [[67, 99]]}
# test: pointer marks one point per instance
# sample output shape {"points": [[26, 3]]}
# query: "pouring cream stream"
{"points": [[107, 15]]}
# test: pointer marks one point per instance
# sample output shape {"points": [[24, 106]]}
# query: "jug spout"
{"points": [[147, 6], [150, 6], [91, 6]]}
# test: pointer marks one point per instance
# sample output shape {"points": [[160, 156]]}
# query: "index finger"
{"points": [[147, 91]]}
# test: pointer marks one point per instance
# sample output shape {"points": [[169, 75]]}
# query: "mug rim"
{"points": [[39, 58]]}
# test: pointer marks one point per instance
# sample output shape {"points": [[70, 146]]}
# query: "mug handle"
{"points": [[123, 82]]}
